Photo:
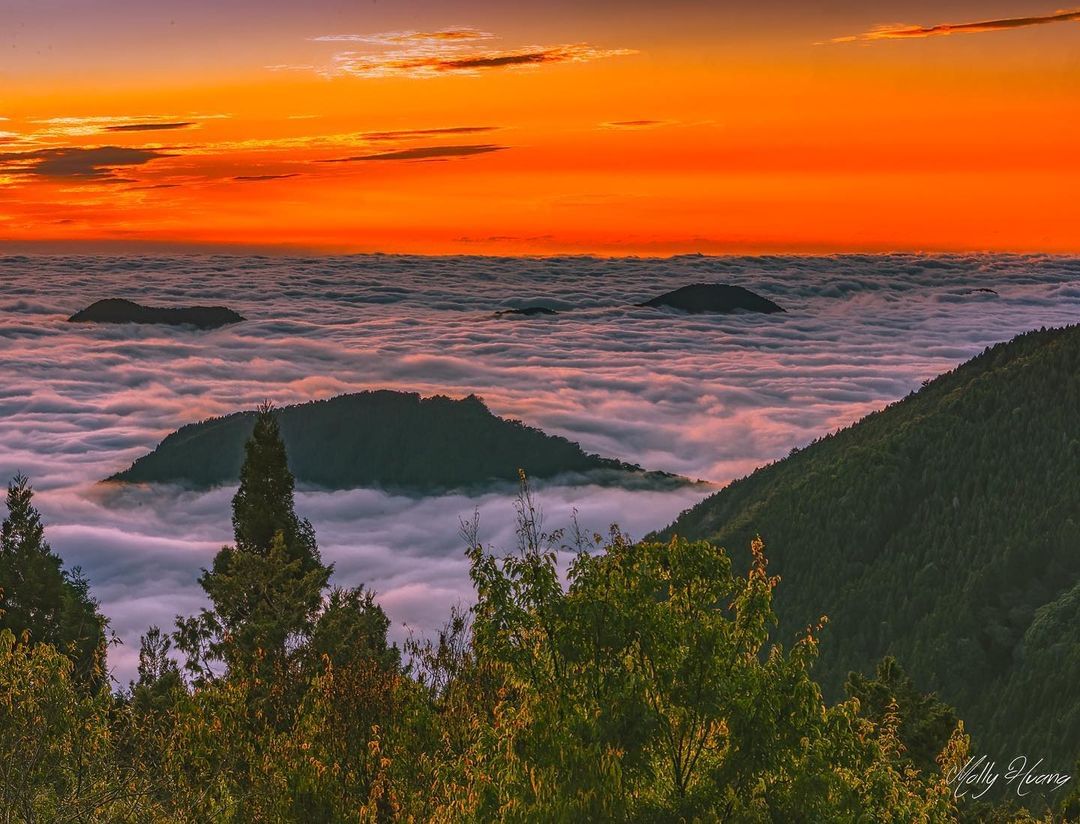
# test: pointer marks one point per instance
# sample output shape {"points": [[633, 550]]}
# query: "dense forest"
{"points": [[942, 530], [642, 687], [393, 440]]}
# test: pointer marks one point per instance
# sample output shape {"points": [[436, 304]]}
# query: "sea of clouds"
{"points": [[710, 397]]}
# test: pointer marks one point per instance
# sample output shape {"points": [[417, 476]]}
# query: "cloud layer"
{"points": [[704, 396]]}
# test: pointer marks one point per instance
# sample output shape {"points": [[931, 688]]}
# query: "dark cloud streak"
{"points": [[75, 162], [405, 134], [904, 32], [148, 127], [423, 62], [423, 153], [258, 178]]}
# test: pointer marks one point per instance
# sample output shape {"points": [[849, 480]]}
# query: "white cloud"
{"points": [[705, 396]]}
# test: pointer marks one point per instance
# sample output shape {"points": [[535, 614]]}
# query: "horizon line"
{"points": [[121, 248]]}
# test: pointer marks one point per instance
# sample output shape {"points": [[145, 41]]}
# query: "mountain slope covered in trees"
{"points": [[394, 440], [942, 530]]}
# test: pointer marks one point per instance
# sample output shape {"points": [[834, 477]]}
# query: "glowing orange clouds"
{"points": [[606, 139]]}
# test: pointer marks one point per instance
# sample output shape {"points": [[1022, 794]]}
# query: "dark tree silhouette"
{"points": [[39, 600]]}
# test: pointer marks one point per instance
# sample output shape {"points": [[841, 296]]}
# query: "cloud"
{"points": [[636, 124], [149, 127], [406, 134], [256, 178], [905, 31], [453, 35], [704, 396], [154, 186], [102, 124], [509, 239], [423, 153], [433, 63], [92, 164], [435, 53]]}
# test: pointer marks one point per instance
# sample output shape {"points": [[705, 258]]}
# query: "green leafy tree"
{"points": [[159, 680], [647, 689], [39, 600], [57, 762]]}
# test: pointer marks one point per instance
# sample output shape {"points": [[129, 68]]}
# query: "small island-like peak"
{"points": [[119, 310], [527, 311], [713, 297]]}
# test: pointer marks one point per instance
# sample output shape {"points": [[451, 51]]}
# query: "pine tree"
{"points": [[39, 601], [263, 505], [266, 604], [266, 590], [352, 627], [159, 676]]}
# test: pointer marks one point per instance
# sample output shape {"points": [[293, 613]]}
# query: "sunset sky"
{"points": [[598, 126]]}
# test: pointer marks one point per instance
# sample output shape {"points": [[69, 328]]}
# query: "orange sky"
{"points": [[462, 127]]}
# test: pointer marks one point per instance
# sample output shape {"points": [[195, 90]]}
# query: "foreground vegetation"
{"points": [[645, 688]]}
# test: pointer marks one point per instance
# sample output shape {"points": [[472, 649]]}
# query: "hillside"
{"points": [[392, 440], [942, 530]]}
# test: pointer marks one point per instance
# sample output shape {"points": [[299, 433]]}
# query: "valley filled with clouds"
{"points": [[707, 396]]}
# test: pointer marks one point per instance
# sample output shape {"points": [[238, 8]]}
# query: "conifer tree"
{"points": [[159, 676], [266, 590], [38, 599], [263, 505]]}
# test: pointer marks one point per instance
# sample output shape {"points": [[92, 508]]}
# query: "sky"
{"points": [[487, 127]]}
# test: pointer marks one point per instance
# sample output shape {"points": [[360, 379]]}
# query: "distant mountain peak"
{"points": [[713, 297], [121, 310]]}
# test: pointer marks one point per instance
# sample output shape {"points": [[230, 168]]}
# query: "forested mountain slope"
{"points": [[942, 530]]}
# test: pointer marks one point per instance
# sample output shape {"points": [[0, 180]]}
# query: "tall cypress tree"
{"points": [[265, 590], [38, 599], [263, 505]]}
